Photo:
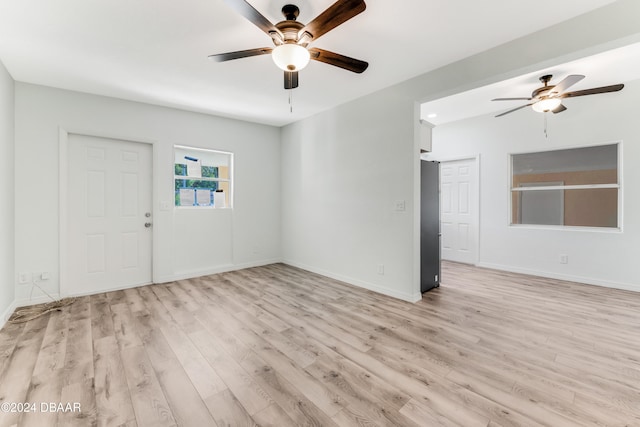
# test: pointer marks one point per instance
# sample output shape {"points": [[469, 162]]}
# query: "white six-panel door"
{"points": [[459, 216], [108, 214]]}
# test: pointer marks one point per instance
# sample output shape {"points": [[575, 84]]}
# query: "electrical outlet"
{"points": [[45, 275], [564, 259], [400, 206], [24, 278], [381, 269]]}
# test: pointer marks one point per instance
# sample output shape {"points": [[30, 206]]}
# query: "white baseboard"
{"points": [[24, 303], [182, 275], [100, 291], [359, 283], [560, 276], [35, 300], [7, 313]]}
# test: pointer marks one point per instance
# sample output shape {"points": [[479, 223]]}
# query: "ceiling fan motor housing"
{"points": [[289, 30], [541, 92]]}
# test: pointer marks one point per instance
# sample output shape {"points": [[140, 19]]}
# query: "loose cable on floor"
{"points": [[24, 314]]}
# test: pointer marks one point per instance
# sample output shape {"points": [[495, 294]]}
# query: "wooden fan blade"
{"points": [[221, 57], [566, 83], [593, 91], [511, 99], [514, 109], [559, 109], [249, 12], [338, 60], [338, 13], [290, 79]]}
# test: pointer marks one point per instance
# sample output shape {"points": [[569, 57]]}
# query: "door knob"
{"points": [[147, 224]]}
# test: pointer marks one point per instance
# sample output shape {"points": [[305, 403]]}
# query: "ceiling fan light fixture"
{"points": [[546, 105], [290, 57]]}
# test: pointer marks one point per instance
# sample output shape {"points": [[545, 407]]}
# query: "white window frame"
{"points": [[617, 186], [228, 180]]}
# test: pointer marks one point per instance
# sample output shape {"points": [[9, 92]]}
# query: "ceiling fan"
{"points": [[549, 97], [292, 38]]}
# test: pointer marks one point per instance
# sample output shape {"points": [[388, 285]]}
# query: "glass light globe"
{"points": [[290, 57], [546, 105]]}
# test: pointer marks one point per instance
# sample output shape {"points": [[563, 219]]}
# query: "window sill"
{"points": [[203, 207], [566, 228]]}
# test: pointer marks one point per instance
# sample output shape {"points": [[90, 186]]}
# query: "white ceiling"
{"points": [[155, 51], [612, 67]]}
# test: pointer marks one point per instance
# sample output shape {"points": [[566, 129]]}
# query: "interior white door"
{"points": [[108, 214], [459, 210]]}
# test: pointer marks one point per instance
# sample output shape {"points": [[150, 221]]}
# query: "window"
{"points": [[577, 187], [202, 177]]}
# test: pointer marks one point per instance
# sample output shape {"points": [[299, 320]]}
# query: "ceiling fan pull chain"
{"points": [[546, 135], [291, 101]]}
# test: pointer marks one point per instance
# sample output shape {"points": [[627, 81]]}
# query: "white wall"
{"points": [[7, 191], [344, 169], [187, 242], [606, 258]]}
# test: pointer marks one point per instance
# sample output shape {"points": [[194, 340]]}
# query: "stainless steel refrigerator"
{"points": [[429, 225]]}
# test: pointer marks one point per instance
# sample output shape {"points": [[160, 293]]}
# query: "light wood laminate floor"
{"points": [[278, 346]]}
